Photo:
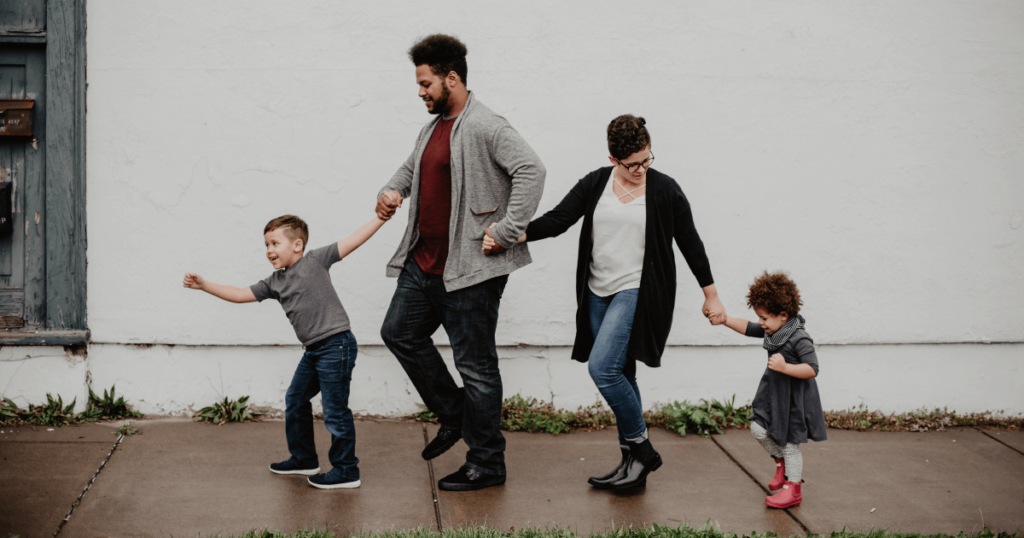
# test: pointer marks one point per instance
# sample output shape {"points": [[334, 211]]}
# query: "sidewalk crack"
{"points": [[87, 486], [1000, 441], [433, 484], [764, 489]]}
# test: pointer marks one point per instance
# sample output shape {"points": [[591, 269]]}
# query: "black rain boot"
{"points": [[603, 481], [643, 460]]}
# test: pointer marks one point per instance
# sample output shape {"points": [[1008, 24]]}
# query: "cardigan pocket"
{"points": [[482, 218]]}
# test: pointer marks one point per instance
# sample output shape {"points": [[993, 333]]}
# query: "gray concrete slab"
{"points": [[42, 473], [1014, 439], [182, 478], [547, 485], [936, 482]]}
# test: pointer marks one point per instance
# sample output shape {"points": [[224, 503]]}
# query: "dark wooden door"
{"points": [[23, 168]]}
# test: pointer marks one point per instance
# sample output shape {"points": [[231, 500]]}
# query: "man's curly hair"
{"points": [[627, 135], [776, 293], [443, 53]]}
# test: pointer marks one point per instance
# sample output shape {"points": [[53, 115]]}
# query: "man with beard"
{"points": [[470, 174]]}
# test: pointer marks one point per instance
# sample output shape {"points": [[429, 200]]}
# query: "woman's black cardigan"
{"points": [[668, 218]]}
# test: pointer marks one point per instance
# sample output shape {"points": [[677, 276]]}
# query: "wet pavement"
{"points": [[180, 478]]}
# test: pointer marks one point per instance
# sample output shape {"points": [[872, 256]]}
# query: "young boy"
{"points": [[787, 407], [302, 284]]}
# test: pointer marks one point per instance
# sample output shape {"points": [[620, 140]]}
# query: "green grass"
{"points": [[654, 531]]}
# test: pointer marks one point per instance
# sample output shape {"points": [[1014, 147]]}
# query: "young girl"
{"points": [[787, 408]]}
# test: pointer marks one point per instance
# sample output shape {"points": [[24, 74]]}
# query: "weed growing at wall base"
{"points": [[55, 413], [706, 418], [228, 411], [654, 531]]}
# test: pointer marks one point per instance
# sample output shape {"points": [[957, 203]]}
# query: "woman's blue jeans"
{"points": [[326, 368], [611, 321]]}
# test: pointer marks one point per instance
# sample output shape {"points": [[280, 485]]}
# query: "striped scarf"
{"points": [[772, 342]]}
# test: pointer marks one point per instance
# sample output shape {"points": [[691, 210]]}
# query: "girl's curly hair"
{"points": [[627, 135], [776, 293]]}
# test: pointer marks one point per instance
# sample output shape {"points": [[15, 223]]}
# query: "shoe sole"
{"points": [[429, 456], [466, 487], [783, 507], [343, 485], [303, 472]]}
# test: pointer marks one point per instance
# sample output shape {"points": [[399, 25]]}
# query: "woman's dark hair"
{"points": [[627, 135], [776, 293], [443, 53]]}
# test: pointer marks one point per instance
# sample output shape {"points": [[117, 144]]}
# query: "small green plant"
{"points": [[705, 419], [108, 407], [127, 429], [52, 413], [425, 415], [228, 411]]}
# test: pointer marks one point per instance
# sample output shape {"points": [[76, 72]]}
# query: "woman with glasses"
{"points": [[626, 280]]}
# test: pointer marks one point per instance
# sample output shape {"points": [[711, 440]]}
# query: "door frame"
{"points": [[64, 139]]}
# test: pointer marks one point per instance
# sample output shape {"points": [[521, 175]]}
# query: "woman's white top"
{"points": [[617, 258]]}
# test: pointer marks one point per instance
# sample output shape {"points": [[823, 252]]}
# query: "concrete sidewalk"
{"points": [[185, 479]]}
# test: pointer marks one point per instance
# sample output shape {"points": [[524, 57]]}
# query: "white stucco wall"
{"points": [[871, 149]]}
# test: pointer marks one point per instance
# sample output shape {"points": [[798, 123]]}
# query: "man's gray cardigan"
{"points": [[496, 178]]}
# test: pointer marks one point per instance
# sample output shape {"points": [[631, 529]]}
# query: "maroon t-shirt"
{"points": [[435, 207]]}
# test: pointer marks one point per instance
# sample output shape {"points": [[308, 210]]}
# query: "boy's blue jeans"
{"points": [[470, 316], [611, 321], [326, 368]]}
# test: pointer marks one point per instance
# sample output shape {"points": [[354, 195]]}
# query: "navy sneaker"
{"points": [[332, 479], [290, 467]]}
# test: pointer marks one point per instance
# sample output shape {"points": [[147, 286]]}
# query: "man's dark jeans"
{"points": [[326, 367], [469, 316]]}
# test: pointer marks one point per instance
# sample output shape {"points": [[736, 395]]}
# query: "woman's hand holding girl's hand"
{"points": [[777, 363], [714, 310]]}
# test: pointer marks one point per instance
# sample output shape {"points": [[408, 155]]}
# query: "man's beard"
{"points": [[441, 103]]}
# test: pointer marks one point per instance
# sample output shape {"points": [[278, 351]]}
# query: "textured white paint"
{"points": [[872, 149], [893, 378], [28, 374]]}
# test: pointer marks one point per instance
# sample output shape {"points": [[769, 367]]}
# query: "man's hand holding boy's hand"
{"points": [[777, 363], [193, 281], [388, 203]]}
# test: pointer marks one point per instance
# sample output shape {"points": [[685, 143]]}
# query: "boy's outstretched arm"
{"points": [[352, 242], [228, 293], [737, 324]]}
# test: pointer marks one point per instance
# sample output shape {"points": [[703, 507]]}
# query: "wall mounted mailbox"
{"points": [[16, 117]]}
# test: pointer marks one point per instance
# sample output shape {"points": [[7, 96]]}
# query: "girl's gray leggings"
{"points": [[790, 452]]}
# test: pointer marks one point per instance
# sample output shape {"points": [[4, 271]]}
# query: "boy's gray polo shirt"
{"points": [[307, 295]]}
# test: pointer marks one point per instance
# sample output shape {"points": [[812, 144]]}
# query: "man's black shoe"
{"points": [[446, 438], [466, 479]]}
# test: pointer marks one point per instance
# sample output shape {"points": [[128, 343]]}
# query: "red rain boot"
{"points": [[789, 496], [780, 474]]}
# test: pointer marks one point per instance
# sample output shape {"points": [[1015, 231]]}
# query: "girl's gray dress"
{"points": [[789, 408]]}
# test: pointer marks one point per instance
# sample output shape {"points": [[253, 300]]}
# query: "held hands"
{"points": [[387, 204], [193, 281], [490, 245], [777, 363], [714, 311]]}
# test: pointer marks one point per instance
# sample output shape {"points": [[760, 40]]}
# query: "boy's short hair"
{"points": [[776, 293], [294, 228], [443, 53], [627, 135]]}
